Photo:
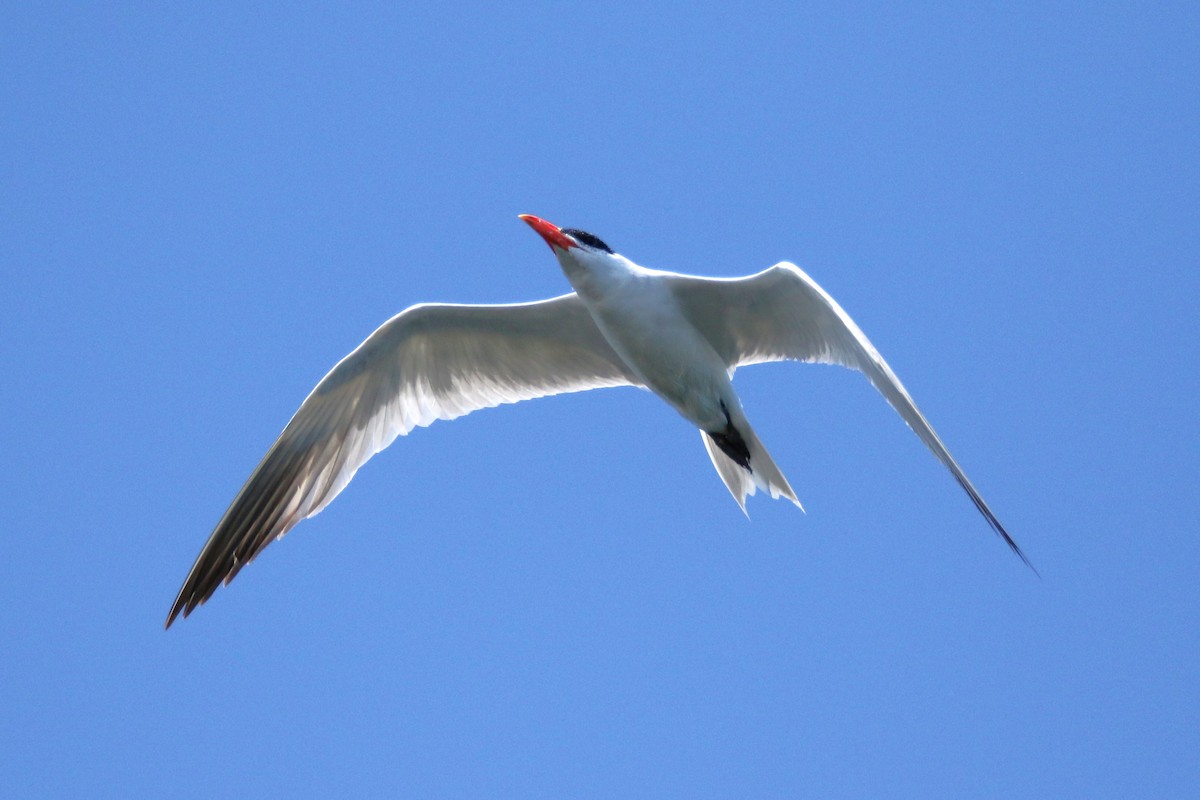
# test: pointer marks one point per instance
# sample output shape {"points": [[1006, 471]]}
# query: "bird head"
{"points": [[578, 252]]}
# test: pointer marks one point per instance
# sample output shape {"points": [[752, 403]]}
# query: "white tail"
{"points": [[763, 474]]}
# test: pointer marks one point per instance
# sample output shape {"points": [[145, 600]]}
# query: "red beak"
{"points": [[549, 231]]}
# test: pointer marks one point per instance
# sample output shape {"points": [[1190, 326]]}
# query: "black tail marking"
{"points": [[731, 442]]}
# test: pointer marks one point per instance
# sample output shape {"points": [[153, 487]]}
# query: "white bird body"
{"points": [[641, 319], [680, 336]]}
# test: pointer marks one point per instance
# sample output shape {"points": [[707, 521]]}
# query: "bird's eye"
{"points": [[586, 238]]}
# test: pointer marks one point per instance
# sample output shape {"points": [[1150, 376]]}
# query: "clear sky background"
{"points": [[202, 209]]}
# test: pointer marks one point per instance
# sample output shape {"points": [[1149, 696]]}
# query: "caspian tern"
{"points": [[680, 336]]}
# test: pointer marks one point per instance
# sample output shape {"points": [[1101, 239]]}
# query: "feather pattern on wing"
{"points": [[427, 363]]}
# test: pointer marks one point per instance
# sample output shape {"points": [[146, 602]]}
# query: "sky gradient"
{"points": [[204, 209]]}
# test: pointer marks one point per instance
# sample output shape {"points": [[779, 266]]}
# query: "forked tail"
{"points": [[745, 465]]}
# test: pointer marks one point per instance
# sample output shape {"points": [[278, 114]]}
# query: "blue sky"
{"points": [[204, 208]]}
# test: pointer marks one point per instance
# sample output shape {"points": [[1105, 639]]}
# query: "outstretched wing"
{"points": [[427, 363], [782, 314]]}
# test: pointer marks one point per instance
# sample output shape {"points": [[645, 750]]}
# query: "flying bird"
{"points": [[680, 336]]}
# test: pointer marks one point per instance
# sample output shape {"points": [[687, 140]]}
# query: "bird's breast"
{"points": [[650, 333]]}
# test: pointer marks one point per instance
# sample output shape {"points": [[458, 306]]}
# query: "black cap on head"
{"points": [[584, 237]]}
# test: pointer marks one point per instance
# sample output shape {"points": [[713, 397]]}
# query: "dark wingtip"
{"points": [[995, 524], [1020, 554], [176, 608], [1003, 534]]}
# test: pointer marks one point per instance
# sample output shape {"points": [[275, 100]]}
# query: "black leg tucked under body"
{"points": [[731, 442]]}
